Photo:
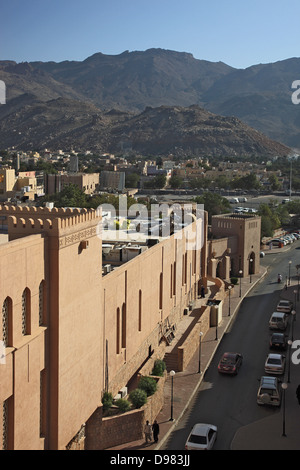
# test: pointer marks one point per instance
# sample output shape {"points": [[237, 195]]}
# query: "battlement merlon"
{"points": [[54, 222], [45, 212]]}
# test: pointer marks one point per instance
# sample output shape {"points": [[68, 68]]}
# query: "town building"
{"points": [[72, 331], [22, 186], [87, 182], [112, 180]]}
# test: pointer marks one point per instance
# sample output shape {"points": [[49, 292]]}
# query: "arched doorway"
{"points": [[251, 263]]}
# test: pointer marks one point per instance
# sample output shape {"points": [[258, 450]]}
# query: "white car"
{"points": [[284, 306], [275, 364], [202, 437], [278, 321]]}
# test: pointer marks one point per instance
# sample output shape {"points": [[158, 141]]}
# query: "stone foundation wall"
{"points": [[103, 433]]}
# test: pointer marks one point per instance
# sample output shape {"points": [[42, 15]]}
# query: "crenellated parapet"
{"points": [[45, 212], [67, 225]]}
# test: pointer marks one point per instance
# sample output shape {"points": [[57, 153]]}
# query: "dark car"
{"points": [[278, 341], [230, 363]]}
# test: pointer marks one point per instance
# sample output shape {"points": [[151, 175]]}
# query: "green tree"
{"points": [[213, 203], [107, 401], [132, 180], [175, 182], [274, 183], [158, 182], [138, 397], [148, 384], [70, 196], [246, 182]]}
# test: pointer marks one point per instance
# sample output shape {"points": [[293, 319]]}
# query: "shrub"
{"points": [[159, 368], [148, 384], [234, 280], [123, 405], [107, 400], [138, 397]]}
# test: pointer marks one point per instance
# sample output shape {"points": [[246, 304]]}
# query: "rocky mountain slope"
{"points": [[71, 100], [191, 131]]}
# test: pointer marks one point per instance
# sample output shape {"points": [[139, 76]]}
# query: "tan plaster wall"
{"points": [[122, 286], [21, 266]]}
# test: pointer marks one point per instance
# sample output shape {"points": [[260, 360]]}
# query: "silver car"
{"points": [[278, 321], [284, 306], [269, 392], [275, 364]]}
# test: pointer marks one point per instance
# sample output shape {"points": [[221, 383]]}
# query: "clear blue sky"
{"points": [[240, 33]]}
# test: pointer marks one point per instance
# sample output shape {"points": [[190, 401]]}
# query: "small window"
{"points": [[26, 312]]}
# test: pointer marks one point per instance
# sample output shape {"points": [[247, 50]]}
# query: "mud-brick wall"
{"points": [[103, 433], [191, 344]]}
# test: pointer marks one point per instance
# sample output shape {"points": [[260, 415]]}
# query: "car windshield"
{"points": [[229, 360], [267, 391], [196, 439], [274, 361]]}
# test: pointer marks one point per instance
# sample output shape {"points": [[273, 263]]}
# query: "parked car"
{"points": [[284, 306], [202, 437], [278, 321], [269, 391], [277, 242], [278, 341], [230, 363], [275, 364], [252, 211]]}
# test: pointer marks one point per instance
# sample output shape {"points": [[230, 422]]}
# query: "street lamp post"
{"points": [[172, 373], [229, 289], [295, 297], [251, 261], [200, 343], [290, 272], [293, 312], [290, 342], [284, 387], [240, 273]]}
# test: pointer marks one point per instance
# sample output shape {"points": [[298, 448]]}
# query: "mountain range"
{"points": [[152, 101]]}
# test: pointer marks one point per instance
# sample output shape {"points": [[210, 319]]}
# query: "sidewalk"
{"points": [[186, 383]]}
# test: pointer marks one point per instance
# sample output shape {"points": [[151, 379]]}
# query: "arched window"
{"points": [[42, 303], [118, 332], [140, 310], [124, 325], [26, 312], [7, 322], [161, 291]]}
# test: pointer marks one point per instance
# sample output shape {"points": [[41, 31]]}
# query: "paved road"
{"points": [[230, 402]]}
